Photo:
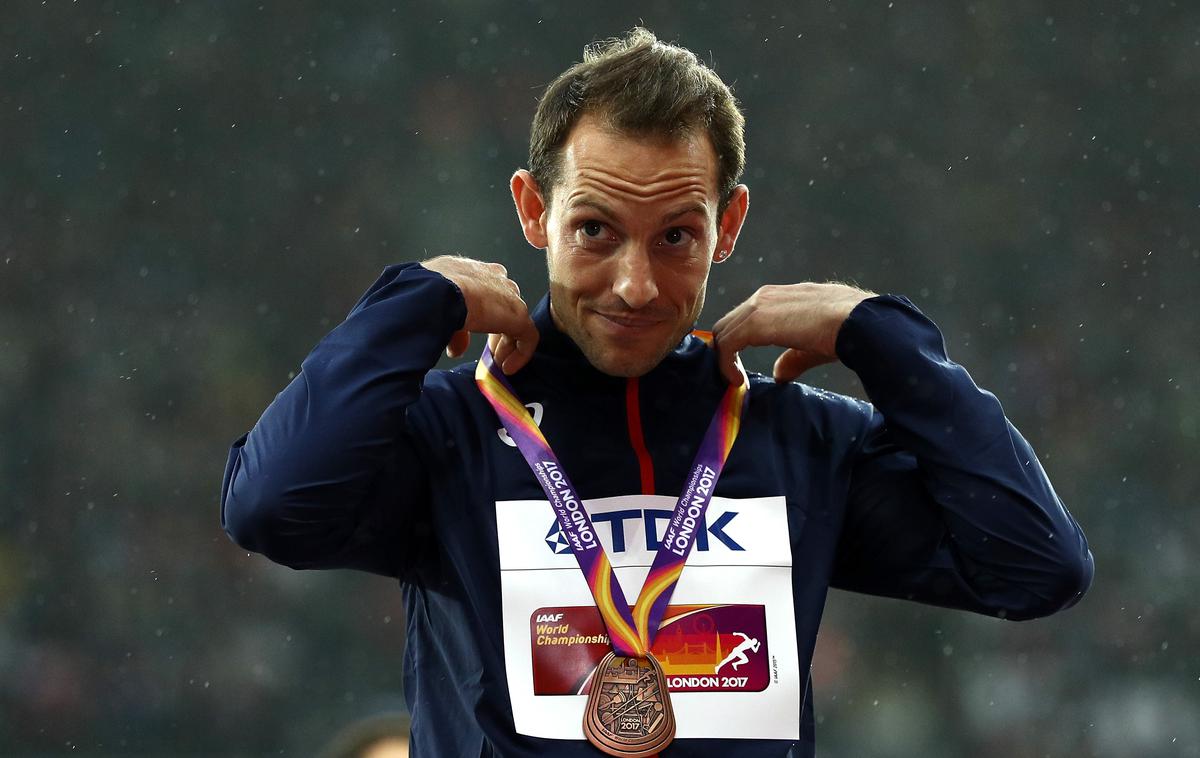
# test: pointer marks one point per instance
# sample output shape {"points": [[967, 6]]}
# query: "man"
{"points": [[370, 459]]}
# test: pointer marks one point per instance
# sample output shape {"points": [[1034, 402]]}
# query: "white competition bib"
{"points": [[727, 643]]}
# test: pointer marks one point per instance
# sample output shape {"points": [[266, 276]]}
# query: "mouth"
{"points": [[625, 321]]}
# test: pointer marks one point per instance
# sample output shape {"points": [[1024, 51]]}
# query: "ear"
{"points": [[531, 209], [730, 224]]}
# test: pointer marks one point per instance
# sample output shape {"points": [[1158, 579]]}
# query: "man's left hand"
{"points": [[804, 318]]}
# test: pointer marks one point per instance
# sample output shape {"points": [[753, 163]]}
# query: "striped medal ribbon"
{"points": [[629, 709]]}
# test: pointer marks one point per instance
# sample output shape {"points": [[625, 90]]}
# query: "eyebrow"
{"points": [[584, 202], [606, 211], [697, 208]]}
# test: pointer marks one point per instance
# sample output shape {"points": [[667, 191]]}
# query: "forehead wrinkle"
{"points": [[616, 167], [669, 188]]}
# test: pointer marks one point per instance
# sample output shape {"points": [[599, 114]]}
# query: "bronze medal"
{"points": [[628, 710]]}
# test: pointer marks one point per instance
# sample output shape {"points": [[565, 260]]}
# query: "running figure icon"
{"points": [[738, 654]]}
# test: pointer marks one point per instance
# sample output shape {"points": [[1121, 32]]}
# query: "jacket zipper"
{"points": [[633, 415]]}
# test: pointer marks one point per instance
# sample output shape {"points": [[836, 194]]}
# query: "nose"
{"points": [[634, 281]]}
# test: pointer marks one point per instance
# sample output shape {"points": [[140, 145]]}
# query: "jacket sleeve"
{"points": [[947, 504], [329, 474]]}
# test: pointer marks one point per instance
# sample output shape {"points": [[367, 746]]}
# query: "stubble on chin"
{"points": [[613, 360], [606, 358], [624, 367]]}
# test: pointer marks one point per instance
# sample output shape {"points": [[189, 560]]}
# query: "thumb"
{"points": [[792, 363], [727, 362]]}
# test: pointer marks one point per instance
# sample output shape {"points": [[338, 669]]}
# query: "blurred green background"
{"points": [[192, 193]]}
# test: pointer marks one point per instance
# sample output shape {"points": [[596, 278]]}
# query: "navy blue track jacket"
{"points": [[369, 459]]}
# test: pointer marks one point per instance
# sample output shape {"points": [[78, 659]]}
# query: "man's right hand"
{"points": [[494, 307]]}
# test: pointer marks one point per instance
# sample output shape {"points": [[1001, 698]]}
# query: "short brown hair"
{"points": [[642, 87]]}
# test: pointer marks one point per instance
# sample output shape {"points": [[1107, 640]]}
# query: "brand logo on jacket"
{"points": [[535, 410], [650, 517]]}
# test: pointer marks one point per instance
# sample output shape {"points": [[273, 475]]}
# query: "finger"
{"points": [[503, 346], [734, 335], [521, 357], [792, 363], [727, 362], [503, 313], [736, 328], [494, 342], [524, 343], [735, 315], [518, 337], [730, 371], [459, 342]]}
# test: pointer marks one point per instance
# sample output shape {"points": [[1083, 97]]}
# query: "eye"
{"points": [[677, 236], [593, 235]]}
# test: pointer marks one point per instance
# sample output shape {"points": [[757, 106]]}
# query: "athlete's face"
{"points": [[630, 236]]}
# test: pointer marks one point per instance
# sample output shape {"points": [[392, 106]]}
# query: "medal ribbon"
{"points": [[631, 630]]}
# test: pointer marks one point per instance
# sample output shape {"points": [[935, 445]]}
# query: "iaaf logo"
{"points": [[557, 541]]}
